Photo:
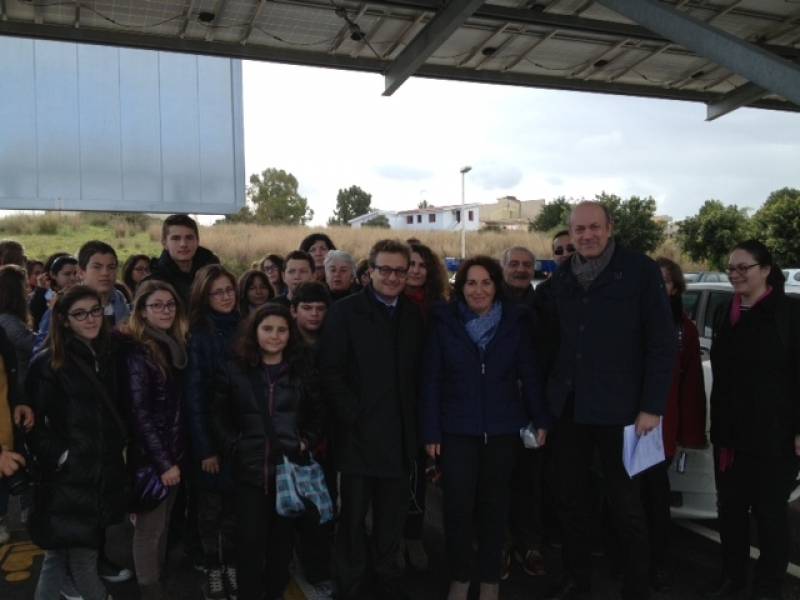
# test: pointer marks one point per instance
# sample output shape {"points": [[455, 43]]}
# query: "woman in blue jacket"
{"points": [[480, 387]]}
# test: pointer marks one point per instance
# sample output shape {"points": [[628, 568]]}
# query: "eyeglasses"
{"points": [[740, 269], [559, 250], [82, 315], [228, 291], [269, 268], [141, 269], [400, 272], [162, 306]]}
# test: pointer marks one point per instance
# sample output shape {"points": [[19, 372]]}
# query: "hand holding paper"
{"points": [[641, 452]]}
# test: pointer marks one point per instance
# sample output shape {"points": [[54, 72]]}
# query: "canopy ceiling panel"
{"points": [[578, 45]]}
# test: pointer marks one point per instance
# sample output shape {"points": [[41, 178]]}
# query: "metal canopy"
{"points": [[558, 44]]}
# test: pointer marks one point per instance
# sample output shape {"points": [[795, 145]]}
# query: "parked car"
{"points": [[694, 492], [792, 278], [706, 277]]}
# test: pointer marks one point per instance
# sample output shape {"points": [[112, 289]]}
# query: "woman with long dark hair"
{"points": [[683, 424], [272, 265], [155, 365], [755, 361], [255, 291], [135, 270], [479, 388], [213, 321], [78, 442], [426, 286], [266, 407]]}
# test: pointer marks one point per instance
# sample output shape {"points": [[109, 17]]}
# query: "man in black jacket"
{"points": [[613, 368], [368, 357], [182, 256]]}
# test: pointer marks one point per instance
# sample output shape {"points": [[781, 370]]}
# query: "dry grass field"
{"points": [[240, 245]]}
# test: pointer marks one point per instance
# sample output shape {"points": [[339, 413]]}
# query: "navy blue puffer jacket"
{"points": [[469, 392]]}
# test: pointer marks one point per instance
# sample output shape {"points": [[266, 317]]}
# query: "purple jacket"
{"points": [[155, 411]]}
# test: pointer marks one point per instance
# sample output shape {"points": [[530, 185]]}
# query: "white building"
{"points": [[439, 218]]}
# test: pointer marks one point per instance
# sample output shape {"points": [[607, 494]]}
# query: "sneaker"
{"points": [[232, 582], [69, 591], [4, 534], [506, 572], [532, 562], [417, 557], [113, 573], [324, 590], [214, 586]]}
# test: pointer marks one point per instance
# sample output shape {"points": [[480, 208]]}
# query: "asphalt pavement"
{"points": [[693, 556]]}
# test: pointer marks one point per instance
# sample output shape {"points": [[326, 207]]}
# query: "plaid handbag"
{"points": [[297, 485]]}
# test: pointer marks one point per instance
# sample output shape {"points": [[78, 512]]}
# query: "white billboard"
{"points": [[87, 127]]}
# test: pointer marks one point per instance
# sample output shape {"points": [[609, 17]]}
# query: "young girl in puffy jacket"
{"points": [[266, 406], [154, 368], [78, 442]]}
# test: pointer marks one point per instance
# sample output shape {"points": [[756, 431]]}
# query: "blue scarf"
{"points": [[481, 329]]}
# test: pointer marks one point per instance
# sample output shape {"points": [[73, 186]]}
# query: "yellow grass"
{"points": [[239, 246]]}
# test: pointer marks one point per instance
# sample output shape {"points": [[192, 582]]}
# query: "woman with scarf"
{"points": [[755, 421], [213, 321], [154, 365], [266, 407], [479, 388]]}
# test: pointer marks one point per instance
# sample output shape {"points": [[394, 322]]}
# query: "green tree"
{"points": [[350, 203], [379, 221], [777, 224], [713, 231], [275, 199], [634, 224], [423, 204], [554, 214]]}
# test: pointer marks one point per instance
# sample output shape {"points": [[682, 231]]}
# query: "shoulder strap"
{"points": [[83, 367]]}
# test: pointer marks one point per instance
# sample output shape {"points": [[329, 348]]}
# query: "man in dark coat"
{"points": [[368, 357], [182, 256], [613, 368]]}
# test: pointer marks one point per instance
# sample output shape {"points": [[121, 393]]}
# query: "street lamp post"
{"points": [[463, 171]]}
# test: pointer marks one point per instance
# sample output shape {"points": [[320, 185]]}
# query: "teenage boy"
{"points": [[182, 256], [369, 365], [298, 268], [97, 268], [310, 303]]}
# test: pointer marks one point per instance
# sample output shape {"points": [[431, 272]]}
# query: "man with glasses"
{"points": [[613, 368], [368, 355]]}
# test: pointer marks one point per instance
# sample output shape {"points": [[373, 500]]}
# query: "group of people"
{"points": [[177, 394]]}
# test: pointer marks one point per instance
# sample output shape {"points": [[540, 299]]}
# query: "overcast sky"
{"points": [[333, 129]]}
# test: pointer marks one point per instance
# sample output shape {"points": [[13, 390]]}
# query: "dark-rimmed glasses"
{"points": [[82, 315]]}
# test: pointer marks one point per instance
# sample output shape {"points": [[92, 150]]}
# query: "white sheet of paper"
{"points": [[641, 452]]}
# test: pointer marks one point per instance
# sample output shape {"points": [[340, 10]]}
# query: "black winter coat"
{"points": [[74, 502], [155, 398], [755, 398], [257, 421], [617, 343], [165, 269], [369, 364]]}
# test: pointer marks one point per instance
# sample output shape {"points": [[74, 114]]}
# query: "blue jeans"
{"points": [[59, 565]]}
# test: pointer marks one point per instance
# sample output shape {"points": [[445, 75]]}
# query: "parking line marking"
{"points": [[710, 534]]}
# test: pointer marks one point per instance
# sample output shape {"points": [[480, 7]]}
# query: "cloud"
{"points": [[403, 172], [497, 177]]}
